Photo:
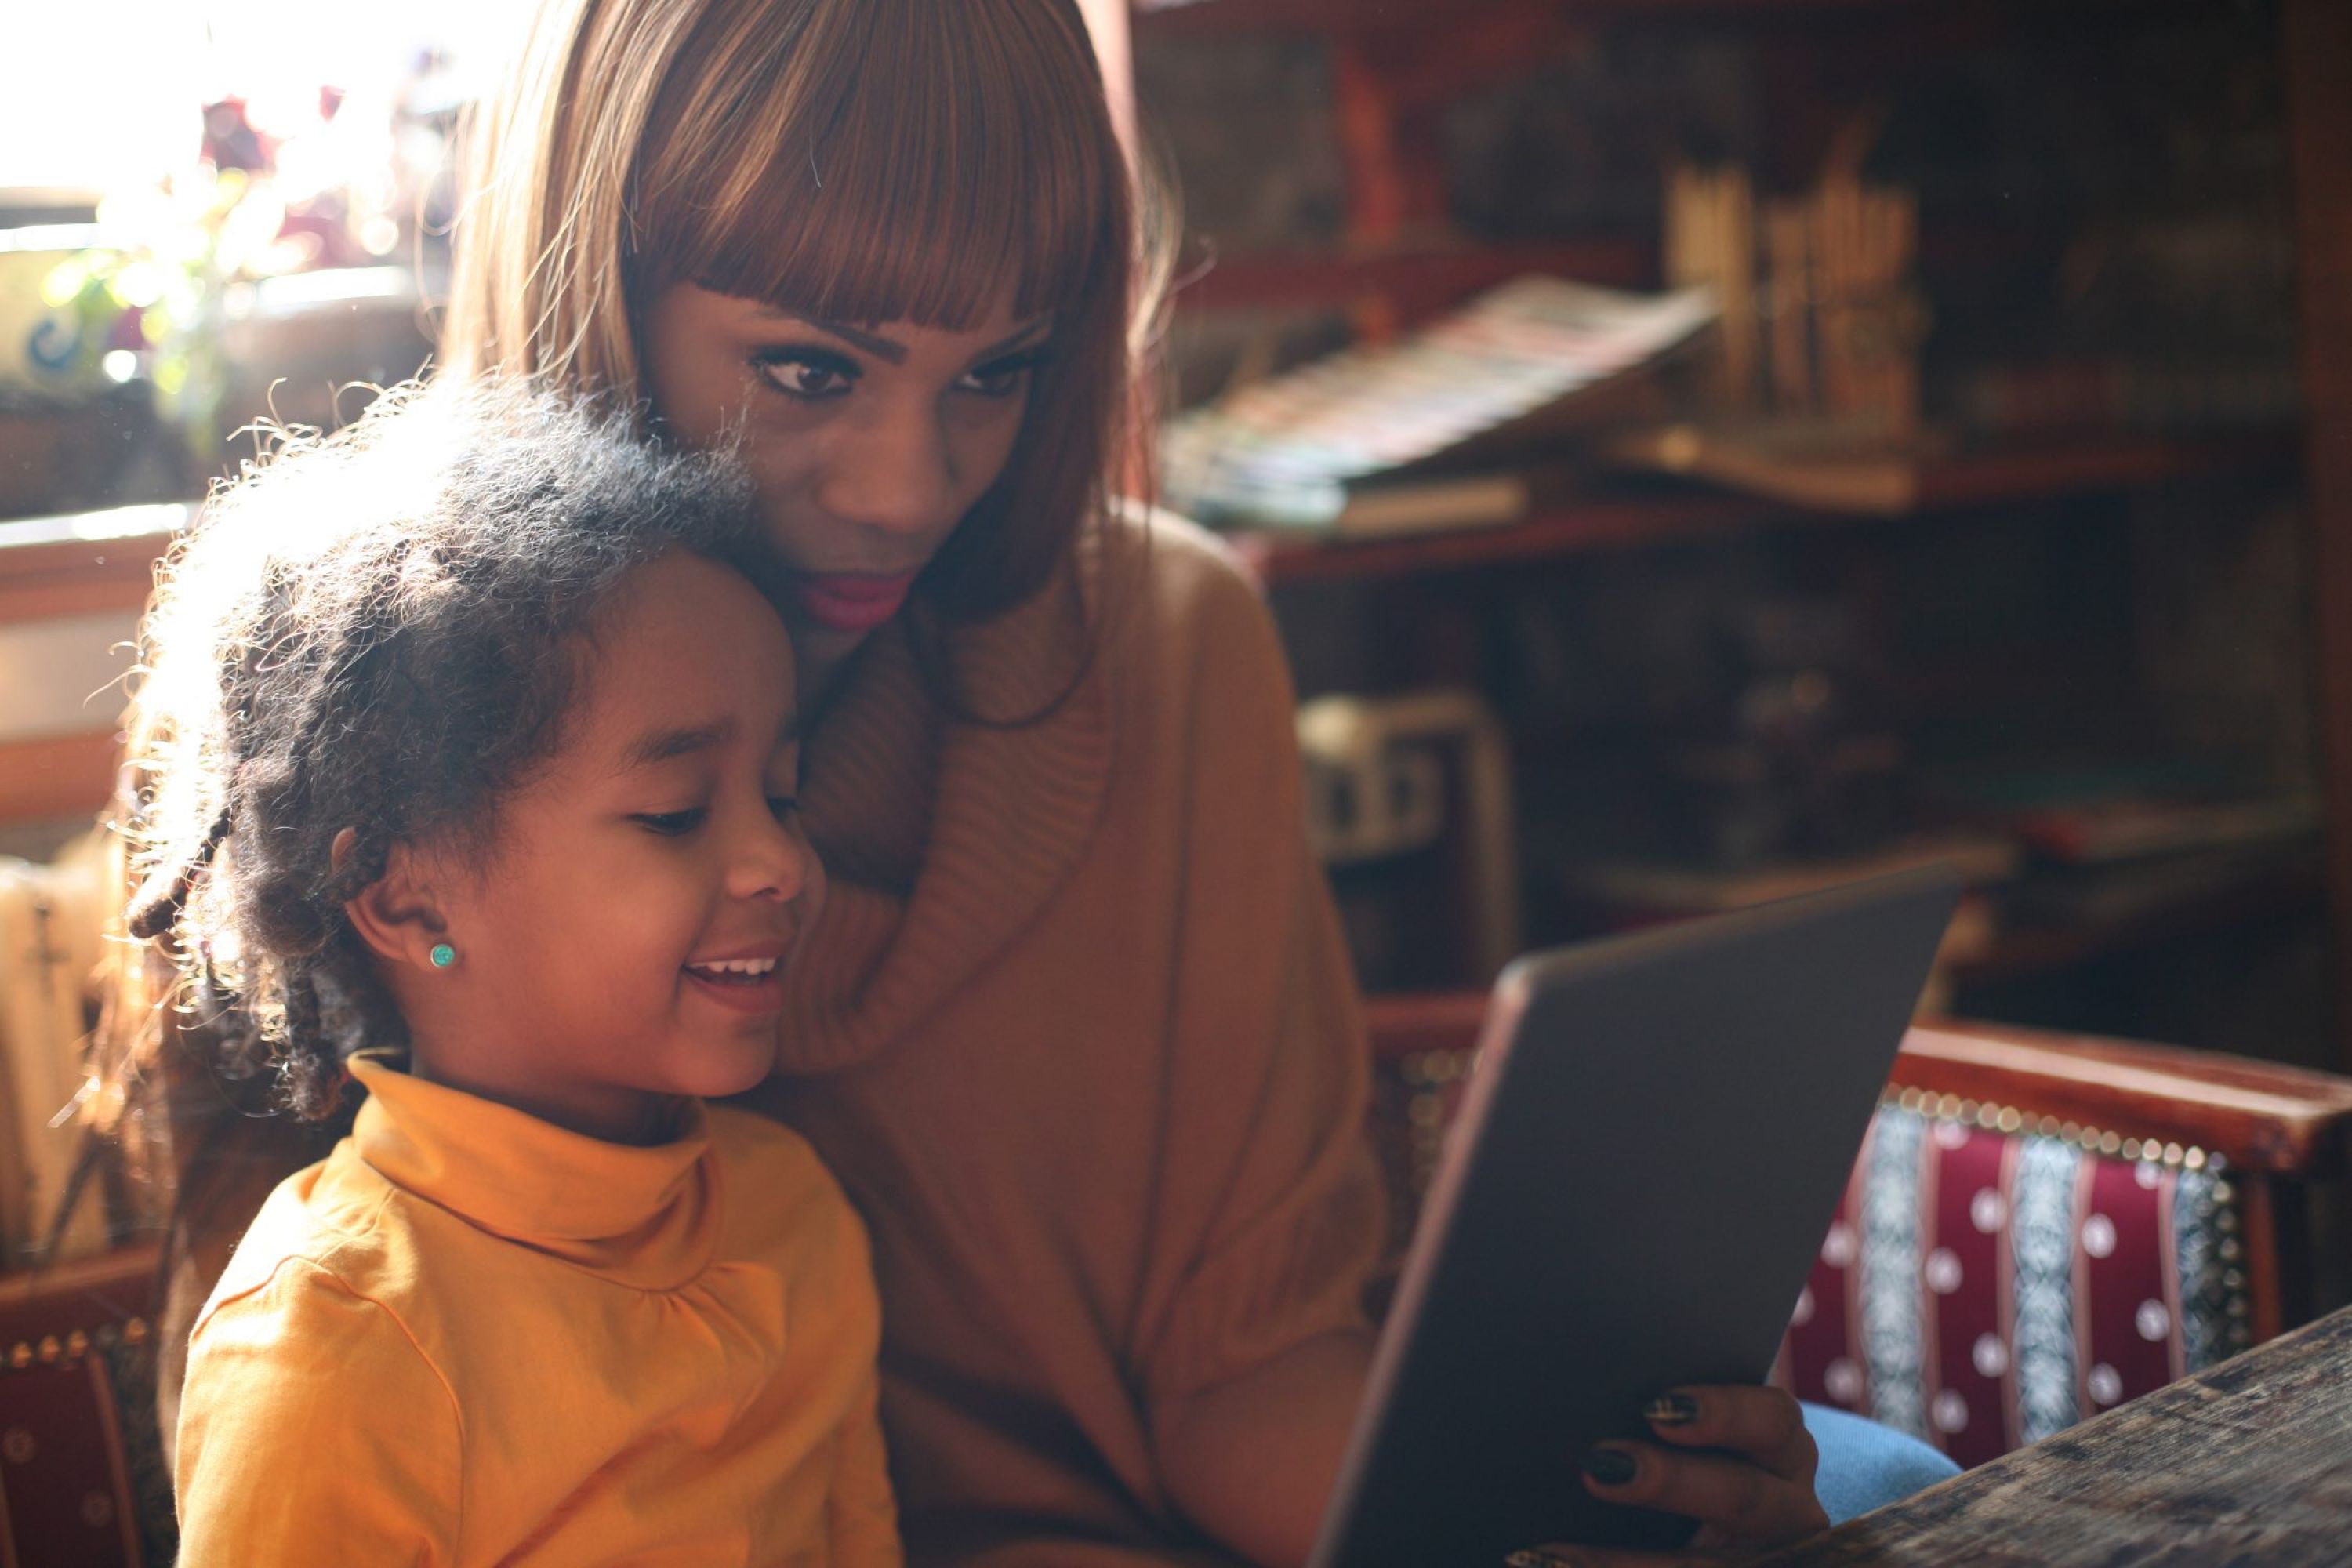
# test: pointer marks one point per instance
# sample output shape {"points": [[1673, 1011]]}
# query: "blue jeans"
{"points": [[1866, 1466]]}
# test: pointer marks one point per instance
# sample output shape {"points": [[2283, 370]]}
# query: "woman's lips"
{"points": [[852, 601]]}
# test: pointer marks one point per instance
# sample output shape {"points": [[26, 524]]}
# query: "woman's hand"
{"points": [[1738, 1459]]}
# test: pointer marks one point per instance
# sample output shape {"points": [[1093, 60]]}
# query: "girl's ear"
{"points": [[398, 915]]}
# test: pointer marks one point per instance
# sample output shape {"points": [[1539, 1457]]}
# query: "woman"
{"points": [[1076, 1031]]}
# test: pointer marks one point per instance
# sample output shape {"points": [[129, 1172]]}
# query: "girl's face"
{"points": [[624, 942], [868, 442]]}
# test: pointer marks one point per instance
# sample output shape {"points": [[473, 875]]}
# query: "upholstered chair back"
{"points": [[2038, 1227]]}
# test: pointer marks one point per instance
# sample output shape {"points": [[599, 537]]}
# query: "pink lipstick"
{"points": [[852, 601]]}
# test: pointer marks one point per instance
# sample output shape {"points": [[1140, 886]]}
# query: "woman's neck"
{"points": [[822, 661]]}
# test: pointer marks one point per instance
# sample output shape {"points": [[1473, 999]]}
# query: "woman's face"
{"points": [[867, 441]]}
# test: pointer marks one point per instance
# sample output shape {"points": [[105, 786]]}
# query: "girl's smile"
{"points": [[748, 983]]}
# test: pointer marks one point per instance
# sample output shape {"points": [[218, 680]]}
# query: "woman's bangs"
{"points": [[934, 163]]}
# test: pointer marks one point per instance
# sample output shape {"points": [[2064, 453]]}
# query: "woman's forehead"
{"points": [[998, 323]]}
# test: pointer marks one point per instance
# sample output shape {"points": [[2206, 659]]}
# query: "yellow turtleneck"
{"points": [[469, 1336]]}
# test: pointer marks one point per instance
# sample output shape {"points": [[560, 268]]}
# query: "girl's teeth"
{"points": [[743, 966]]}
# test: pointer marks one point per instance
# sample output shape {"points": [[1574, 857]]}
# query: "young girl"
{"points": [[1076, 1029], [479, 801]]}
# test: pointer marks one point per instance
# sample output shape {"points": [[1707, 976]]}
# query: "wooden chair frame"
{"points": [[2284, 1133]]}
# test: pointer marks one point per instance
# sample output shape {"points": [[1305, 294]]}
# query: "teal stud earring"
{"points": [[443, 955]]}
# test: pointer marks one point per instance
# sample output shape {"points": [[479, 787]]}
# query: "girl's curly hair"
{"points": [[378, 633]]}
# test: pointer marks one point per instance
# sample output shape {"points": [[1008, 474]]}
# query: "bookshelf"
{"points": [[1356, 17], [1412, 282], [1394, 252], [1674, 513]]}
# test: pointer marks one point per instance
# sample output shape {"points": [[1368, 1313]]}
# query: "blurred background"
{"points": [[1922, 438]]}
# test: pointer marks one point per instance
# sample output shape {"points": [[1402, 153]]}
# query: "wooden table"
{"points": [[2248, 1462]]}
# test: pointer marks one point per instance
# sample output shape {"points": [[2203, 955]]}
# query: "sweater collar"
{"points": [[944, 837], [645, 1216]]}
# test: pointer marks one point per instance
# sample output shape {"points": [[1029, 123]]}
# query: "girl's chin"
{"points": [[720, 1073]]}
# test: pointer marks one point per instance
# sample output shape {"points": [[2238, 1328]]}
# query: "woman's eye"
{"points": [[783, 805], [672, 824], [1003, 377], [811, 374]]}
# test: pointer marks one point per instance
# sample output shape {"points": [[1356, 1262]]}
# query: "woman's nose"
{"points": [[893, 470]]}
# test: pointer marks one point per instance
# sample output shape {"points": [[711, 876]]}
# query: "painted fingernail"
{"points": [[1671, 1410], [1611, 1466]]}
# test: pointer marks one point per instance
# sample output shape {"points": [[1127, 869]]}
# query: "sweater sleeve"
{"points": [[1269, 1181], [312, 1429]]}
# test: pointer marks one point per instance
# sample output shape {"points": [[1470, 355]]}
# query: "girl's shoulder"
{"points": [[329, 1230]]}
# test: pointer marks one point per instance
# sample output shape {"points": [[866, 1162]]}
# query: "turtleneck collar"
{"points": [[943, 837], [644, 1216]]}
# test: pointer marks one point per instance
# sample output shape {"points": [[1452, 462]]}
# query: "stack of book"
{"points": [[1350, 444]]}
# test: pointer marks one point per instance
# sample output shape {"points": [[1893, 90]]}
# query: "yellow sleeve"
{"points": [[312, 1429], [862, 1515]]}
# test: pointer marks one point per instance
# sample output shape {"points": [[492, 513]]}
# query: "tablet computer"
{"points": [[1647, 1156]]}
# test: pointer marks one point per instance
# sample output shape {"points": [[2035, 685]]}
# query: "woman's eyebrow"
{"points": [[880, 347], [1041, 327], [872, 342], [890, 349]]}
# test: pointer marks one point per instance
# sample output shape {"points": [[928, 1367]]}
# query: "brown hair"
{"points": [[855, 160]]}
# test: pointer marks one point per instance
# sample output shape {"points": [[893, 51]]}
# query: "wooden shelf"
{"points": [[1669, 514], [2028, 473], [84, 564], [1360, 17], [53, 777], [1417, 280], [2229, 889], [1281, 558], [2266, 892]]}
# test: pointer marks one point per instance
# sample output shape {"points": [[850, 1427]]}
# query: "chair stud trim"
{"points": [[2090, 1139], [54, 1350]]}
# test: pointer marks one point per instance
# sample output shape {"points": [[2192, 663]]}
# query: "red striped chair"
{"points": [[2039, 1226]]}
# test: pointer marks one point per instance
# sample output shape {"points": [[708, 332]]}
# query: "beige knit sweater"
{"points": [[1077, 1035]]}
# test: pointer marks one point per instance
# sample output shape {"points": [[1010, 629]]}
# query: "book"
{"points": [[1295, 449], [1828, 465], [1422, 506]]}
